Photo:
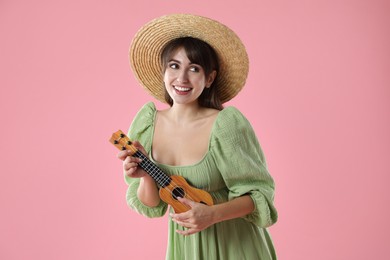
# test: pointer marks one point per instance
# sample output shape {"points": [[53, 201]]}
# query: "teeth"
{"points": [[182, 88]]}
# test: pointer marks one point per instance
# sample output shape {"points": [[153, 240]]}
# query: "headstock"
{"points": [[122, 142]]}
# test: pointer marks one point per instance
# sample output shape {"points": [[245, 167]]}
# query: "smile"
{"points": [[182, 89]]}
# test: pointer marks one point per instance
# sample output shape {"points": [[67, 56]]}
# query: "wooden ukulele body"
{"points": [[180, 188]]}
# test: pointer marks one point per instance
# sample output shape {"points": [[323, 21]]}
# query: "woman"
{"points": [[203, 65]]}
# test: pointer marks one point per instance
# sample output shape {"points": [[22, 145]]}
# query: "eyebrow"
{"points": [[174, 60], [191, 63]]}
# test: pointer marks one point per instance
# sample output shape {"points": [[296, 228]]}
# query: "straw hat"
{"points": [[148, 43]]}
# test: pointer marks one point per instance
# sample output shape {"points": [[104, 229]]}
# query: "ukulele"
{"points": [[171, 187]]}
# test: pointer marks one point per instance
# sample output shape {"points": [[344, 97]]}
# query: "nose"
{"points": [[182, 76]]}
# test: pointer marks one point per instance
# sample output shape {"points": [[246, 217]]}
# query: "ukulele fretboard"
{"points": [[153, 170]]}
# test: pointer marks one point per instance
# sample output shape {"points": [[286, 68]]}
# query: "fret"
{"points": [[171, 187], [153, 170]]}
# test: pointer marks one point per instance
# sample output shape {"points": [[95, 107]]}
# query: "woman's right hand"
{"points": [[147, 191], [130, 163]]}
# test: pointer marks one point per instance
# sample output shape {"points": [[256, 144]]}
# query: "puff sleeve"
{"points": [[141, 130], [242, 165]]}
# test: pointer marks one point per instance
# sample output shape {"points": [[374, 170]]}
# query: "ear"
{"points": [[211, 78]]}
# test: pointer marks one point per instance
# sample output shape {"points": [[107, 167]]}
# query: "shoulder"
{"points": [[148, 108], [146, 112], [234, 132], [233, 127], [143, 120], [233, 118]]}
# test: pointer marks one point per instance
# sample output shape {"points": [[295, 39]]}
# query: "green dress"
{"points": [[233, 166]]}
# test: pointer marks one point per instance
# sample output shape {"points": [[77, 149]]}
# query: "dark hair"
{"points": [[203, 54]]}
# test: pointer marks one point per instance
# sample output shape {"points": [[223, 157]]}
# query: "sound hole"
{"points": [[178, 192]]}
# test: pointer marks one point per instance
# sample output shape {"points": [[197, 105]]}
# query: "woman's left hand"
{"points": [[198, 218]]}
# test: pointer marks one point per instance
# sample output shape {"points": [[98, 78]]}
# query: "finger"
{"points": [[128, 166], [131, 159], [122, 155], [187, 202], [184, 223], [126, 160], [180, 216]]}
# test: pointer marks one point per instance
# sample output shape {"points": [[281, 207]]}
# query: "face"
{"points": [[184, 80]]}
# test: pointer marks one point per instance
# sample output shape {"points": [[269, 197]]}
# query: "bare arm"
{"points": [[201, 216], [148, 192], [235, 208]]}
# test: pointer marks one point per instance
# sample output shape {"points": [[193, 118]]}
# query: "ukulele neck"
{"points": [[153, 170], [123, 142]]}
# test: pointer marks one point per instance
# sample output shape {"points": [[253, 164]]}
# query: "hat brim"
{"points": [[148, 43]]}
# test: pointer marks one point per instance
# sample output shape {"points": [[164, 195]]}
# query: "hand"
{"points": [[198, 218], [130, 163]]}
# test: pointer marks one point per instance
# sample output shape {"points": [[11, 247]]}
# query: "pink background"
{"points": [[317, 96]]}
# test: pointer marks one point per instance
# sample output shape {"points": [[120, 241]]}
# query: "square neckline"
{"points": [[189, 165]]}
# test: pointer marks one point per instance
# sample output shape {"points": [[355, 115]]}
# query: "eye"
{"points": [[195, 68], [173, 65]]}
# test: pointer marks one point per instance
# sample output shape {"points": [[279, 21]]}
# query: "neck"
{"points": [[182, 113]]}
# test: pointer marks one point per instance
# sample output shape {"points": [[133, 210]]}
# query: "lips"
{"points": [[181, 89]]}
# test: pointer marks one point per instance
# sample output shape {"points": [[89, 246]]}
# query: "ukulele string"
{"points": [[150, 165], [166, 178]]}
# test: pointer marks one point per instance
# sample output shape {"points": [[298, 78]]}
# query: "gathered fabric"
{"points": [[233, 166]]}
